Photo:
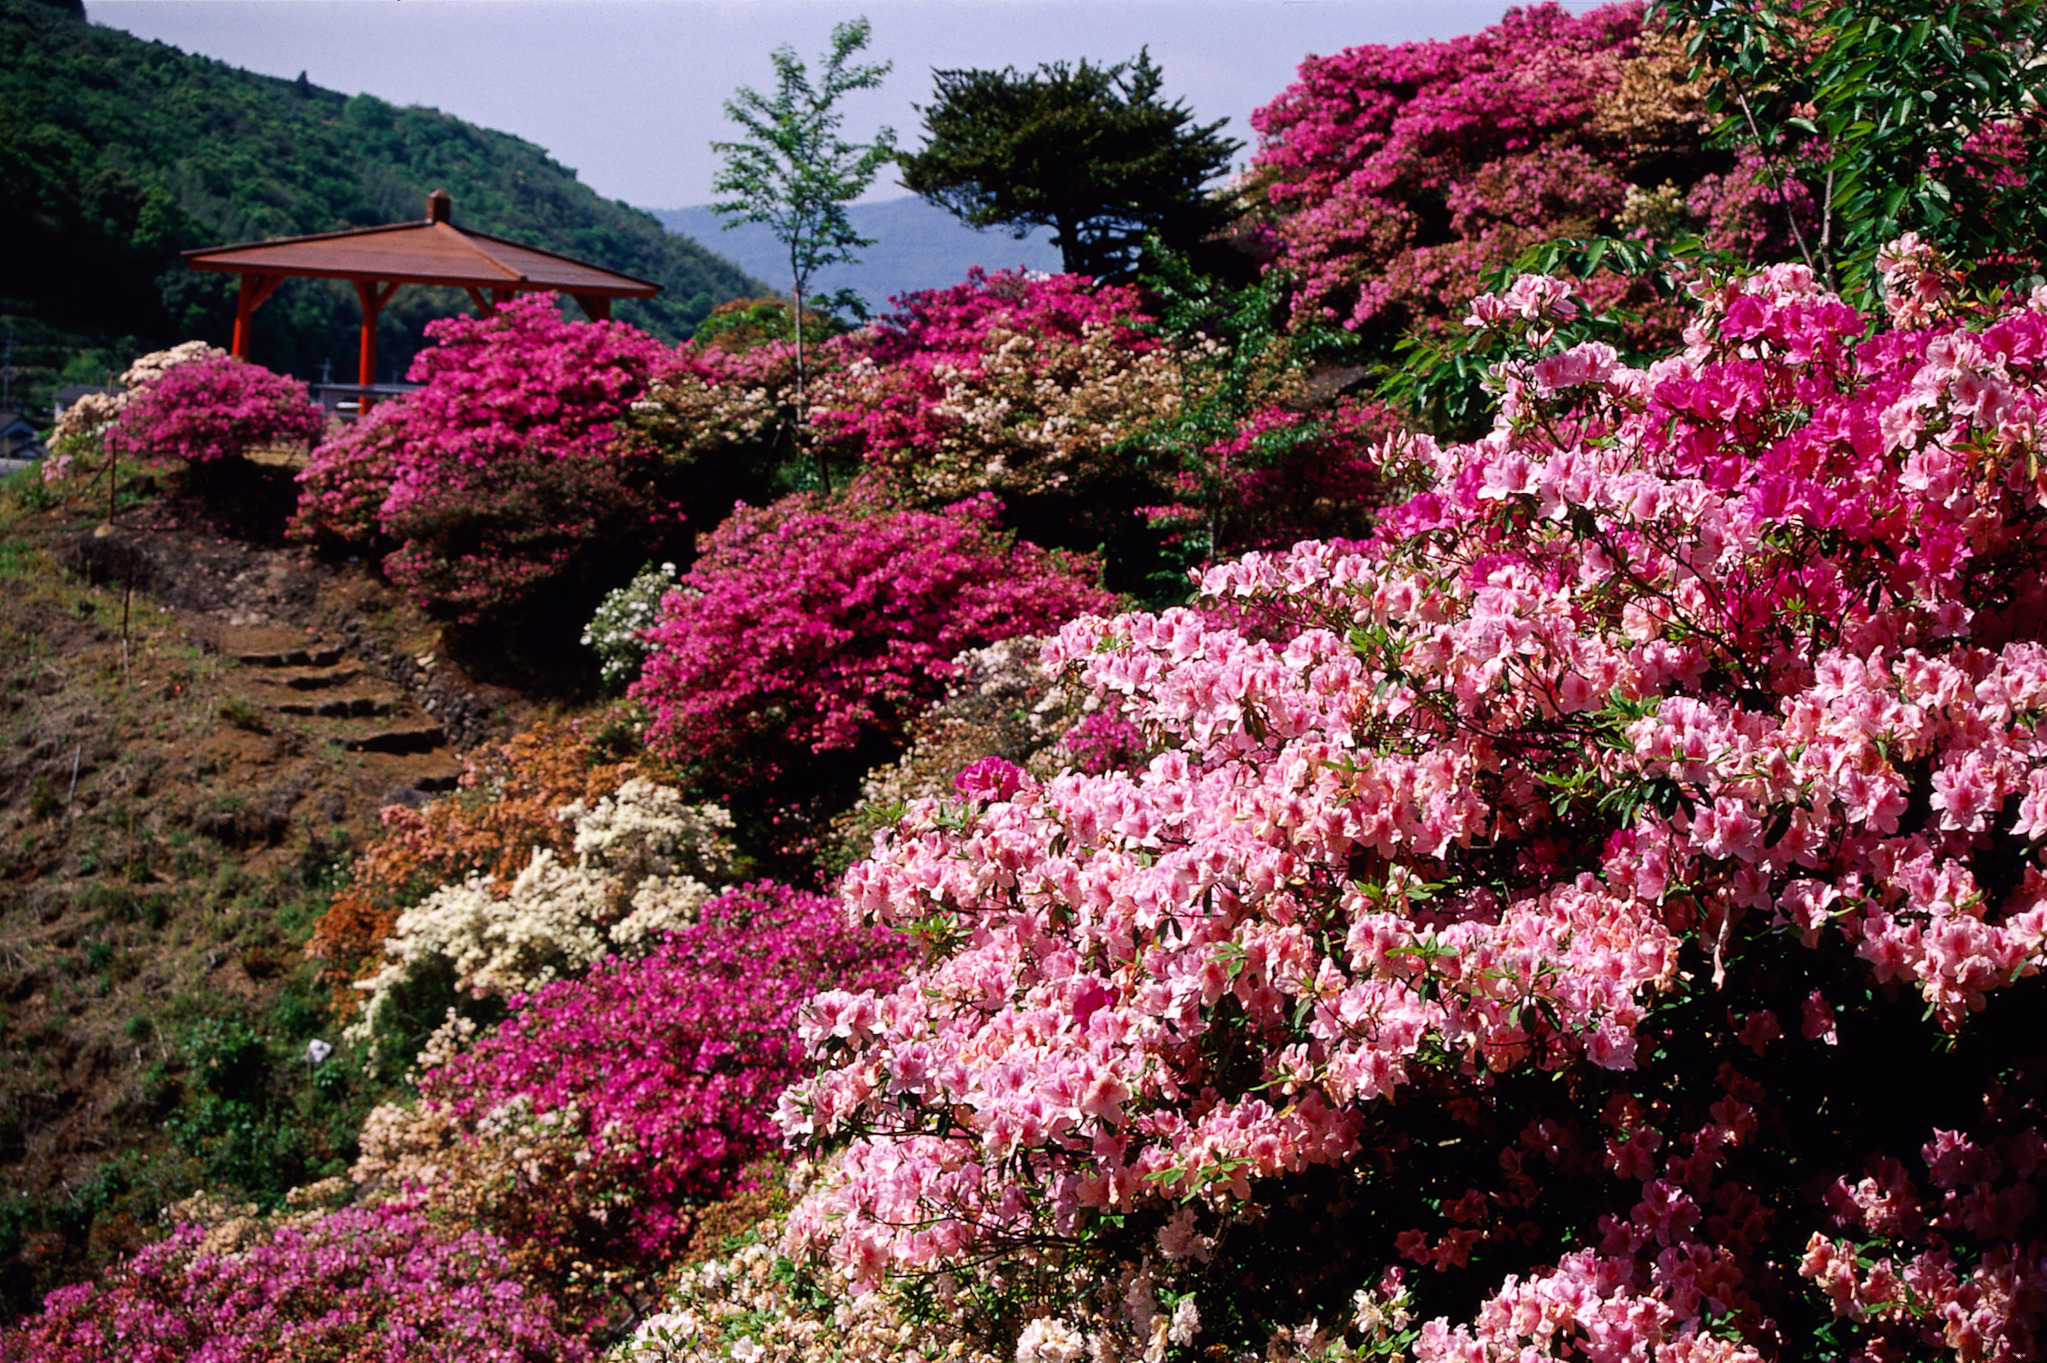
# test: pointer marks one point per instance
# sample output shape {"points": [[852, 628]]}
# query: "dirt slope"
{"points": [[198, 731]]}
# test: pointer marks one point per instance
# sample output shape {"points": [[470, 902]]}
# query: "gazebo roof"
{"points": [[433, 252], [381, 260]]}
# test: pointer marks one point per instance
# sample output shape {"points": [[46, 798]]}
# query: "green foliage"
{"points": [[1885, 116], [1443, 383], [257, 1116], [614, 632], [1089, 151], [118, 153], [745, 323], [1254, 361]]}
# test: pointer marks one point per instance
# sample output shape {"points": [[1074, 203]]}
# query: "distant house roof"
{"points": [[18, 437], [431, 252], [72, 392]]}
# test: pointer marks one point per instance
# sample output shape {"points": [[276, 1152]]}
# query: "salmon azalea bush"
{"points": [[1598, 917]]}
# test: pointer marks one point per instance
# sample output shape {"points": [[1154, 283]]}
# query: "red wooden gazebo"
{"points": [[380, 259]]}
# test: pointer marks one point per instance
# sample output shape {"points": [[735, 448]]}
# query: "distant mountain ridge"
{"points": [[916, 246], [116, 153]]}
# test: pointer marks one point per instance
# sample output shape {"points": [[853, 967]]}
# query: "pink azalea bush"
{"points": [[1601, 919], [1400, 176], [504, 471], [358, 1285], [212, 409], [813, 627], [667, 1066]]}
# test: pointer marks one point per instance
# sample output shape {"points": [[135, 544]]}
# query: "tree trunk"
{"points": [[1067, 231], [824, 478]]}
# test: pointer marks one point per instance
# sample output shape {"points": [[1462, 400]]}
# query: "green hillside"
{"points": [[117, 153]]}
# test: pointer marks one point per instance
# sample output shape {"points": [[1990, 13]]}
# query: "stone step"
{"points": [[415, 791], [315, 655], [340, 707], [314, 681], [414, 739]]}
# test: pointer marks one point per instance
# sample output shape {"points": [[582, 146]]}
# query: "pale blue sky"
{"points": [[629, 93]]}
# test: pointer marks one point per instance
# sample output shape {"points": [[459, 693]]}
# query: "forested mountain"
{"points": [[916, 246], [117, 153]]}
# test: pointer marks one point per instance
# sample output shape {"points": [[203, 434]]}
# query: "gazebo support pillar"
{"points": [[373, 297], [256, 289]]}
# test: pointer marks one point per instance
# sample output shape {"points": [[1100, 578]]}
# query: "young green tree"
{"points": [[1090, 151], [796, 174]]}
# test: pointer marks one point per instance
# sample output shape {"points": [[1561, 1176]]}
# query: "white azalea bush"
{"points": [[645, 859], [615, 631]]}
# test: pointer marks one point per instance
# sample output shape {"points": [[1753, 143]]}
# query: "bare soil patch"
{"points": [[197, 729]]}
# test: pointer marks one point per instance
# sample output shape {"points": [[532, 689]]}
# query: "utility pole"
{"points": [[7, 396]]}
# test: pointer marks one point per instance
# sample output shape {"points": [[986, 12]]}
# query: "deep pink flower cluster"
{"points": [[812, 626], [672, 1062], [936, 323], [213, 409], [1402, 174], [505, 465], [359, 1285], [1576, 876]]}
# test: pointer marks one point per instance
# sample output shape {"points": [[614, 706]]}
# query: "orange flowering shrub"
{"points": [[503, 812]]}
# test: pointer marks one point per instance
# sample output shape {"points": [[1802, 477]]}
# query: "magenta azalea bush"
{"points": [[813, 627], [1400, 176], [670, 1063], [1603, 923], [358, 1285], [213, 409], [504, 472]]}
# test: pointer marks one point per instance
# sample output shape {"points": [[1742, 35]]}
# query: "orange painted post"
{"points": [[373, 300], [256, 289], [366, 366], [244, 306]]}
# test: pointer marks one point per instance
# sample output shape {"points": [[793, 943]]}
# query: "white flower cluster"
{"points": [[88, 417], [615, 630], [152, 366], [745, 1308], [643, 857], [660, 849], [1049, 1339], [82, 425], [1038, 412]]}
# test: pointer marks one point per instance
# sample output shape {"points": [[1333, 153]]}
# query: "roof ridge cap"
{"points": [[470, 239]]}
